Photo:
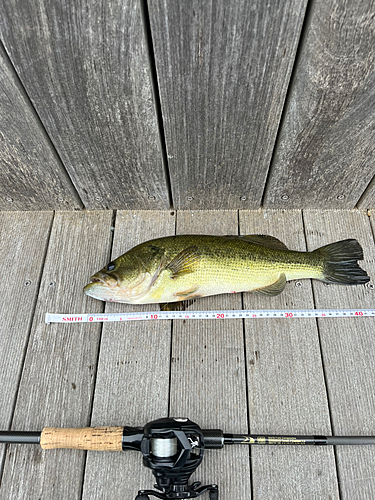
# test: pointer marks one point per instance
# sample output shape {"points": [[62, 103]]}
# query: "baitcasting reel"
{"points": [[173, 448]]}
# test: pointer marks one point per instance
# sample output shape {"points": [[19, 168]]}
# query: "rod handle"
{"points": [[87, 438]]}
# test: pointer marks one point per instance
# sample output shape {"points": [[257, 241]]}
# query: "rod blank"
{"points": [[20, 437], [344, 440], [297, 440]]}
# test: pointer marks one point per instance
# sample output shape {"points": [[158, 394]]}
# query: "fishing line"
{"points": [[218, 315]]}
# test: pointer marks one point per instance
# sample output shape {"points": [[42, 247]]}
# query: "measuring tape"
{"points": [[245, 314]]}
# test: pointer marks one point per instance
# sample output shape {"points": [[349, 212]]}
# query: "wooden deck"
{"points": [[269, 376], [142, 104]]}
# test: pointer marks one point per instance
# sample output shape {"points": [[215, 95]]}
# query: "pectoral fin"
{"points": [[275, 288], [185, 262], [182, 305]]}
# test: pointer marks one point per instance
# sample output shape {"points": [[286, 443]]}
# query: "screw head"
{"points": [[8, 198], [27, 283], [285, 197], [190, 198], [341, 197], [370, 286], [243, 198], [151, 197], [298, 284]]}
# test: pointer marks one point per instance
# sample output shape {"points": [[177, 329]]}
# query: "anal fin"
{"points": [[274, 289]]}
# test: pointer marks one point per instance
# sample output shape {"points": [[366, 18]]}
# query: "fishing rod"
{"points": [[171, 447]]}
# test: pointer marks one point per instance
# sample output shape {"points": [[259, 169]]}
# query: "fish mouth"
{"points": [[97, 280], [98, 289], [102, 287], [107, 280]]}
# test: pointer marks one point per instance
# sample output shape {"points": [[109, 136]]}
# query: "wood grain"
{"points": [[223, 70], [326, 146], [23, 242], [367, 200], [58, 376], [208, 371], [347, 349], [286, 387], [31, 175], [132, 383], [85, 68]]}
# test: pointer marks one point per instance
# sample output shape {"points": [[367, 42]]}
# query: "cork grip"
{"points": [[88, 438]]}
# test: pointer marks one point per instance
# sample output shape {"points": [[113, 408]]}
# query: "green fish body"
{"points": [[183, 267]]}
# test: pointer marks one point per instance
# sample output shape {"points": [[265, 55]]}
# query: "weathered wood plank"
{"points": [[223, 71], [56, 386], [85, 68], [367, 200], [348, 352], [31, 175], [286, 388], [326, 147], [23, 242], [208, 371], [132, 386]]}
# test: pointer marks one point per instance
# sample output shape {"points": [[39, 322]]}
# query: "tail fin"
{"points": [[340, 263]]}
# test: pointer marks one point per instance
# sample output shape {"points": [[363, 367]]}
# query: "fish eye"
{"points": [[110, 266]]}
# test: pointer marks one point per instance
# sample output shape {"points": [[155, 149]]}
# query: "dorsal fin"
{"points": [[264, 240]]}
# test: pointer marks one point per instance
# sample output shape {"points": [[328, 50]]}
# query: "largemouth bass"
{"points": [[177, 268]]}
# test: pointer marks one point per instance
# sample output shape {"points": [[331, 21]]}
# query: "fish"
{"points": [[184, 267]]}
